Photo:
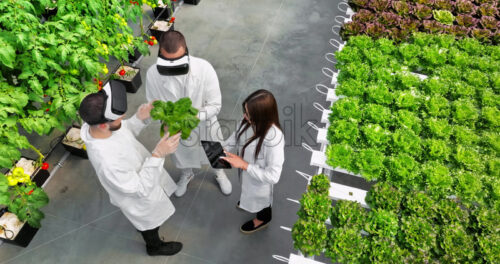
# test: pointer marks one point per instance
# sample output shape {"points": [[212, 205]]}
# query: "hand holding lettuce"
{"points": [[179, 116]]}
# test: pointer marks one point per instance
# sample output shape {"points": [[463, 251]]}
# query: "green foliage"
{"points": [[431, 142], [24, 200], [319, 184], [180, 116], [418, 235], [47, 66], [371, 163], [443, 16], [455, 244], [382, 223], [346, 245], [383, 195], [309, 236], [348, 214], [315, 206], [343, 131]]}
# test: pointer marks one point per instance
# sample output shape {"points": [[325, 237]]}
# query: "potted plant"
{"points": [[164, 10], [73, 143], [50, 11], [21, 193], [129, 76], [160, 26]]}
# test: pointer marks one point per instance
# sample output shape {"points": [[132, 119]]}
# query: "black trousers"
{"points": [[152, 237], [265, 214]]}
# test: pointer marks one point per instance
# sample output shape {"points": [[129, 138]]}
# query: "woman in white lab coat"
{"points": [[259, 146]]}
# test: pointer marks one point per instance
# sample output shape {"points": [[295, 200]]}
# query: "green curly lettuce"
{"points": [[179, 116], [443, 16]]}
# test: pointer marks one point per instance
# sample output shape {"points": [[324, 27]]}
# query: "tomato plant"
{"points": [[48, 65]]}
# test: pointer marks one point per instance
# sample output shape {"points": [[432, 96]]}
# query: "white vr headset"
{"points": [[177, 66], [115, 104]]}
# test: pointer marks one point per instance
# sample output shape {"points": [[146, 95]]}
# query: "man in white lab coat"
{"points": [[134, 178], [176, 75]]}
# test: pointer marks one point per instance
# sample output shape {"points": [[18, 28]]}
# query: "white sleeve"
{"points": [[134, 124], [149, 87], [275, 157], [212, 102], [230, 143], [133, 183]]}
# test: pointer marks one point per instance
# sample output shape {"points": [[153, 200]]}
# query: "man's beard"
{"points": [[114, 128]]}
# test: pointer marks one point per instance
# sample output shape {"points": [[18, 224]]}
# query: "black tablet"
{"points": [[214, 153]]}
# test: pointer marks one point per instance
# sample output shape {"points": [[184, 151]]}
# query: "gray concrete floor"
{"points": [[276, 45]]}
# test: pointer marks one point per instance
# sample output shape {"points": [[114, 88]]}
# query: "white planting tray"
{"points": [[296, 259], [343, 192]]}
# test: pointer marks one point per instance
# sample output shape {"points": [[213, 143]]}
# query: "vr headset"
{"points": [[115, 103], [171, 67]]}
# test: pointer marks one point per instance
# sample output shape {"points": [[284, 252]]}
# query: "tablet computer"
{"points": [[214, 152]]}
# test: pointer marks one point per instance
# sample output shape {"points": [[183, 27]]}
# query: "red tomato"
{"points": [[151, 43], [45, 166], [100, 83], [122, 72]]}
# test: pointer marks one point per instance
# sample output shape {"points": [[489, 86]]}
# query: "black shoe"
{"points": [[248, 227], [165, 249]]}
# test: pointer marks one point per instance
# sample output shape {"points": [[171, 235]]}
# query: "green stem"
{"points": [[40, 155]]}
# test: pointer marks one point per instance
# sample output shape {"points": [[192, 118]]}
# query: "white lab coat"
{"points": [[202, 86], [262, 173], [136, 182]]}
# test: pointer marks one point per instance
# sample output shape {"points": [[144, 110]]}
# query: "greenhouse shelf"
{"points": [[318, 159], [343, 192], [296, 259]]}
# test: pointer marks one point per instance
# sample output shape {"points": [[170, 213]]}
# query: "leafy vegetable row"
{"points": [[432, 143], [398, 19], [412, 227], [440, 134]]}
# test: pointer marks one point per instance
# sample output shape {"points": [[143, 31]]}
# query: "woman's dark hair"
{"points": [[263, 113]]}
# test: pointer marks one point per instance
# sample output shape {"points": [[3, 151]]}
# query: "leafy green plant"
{"points": [[449, 212], [348, 214], [376, 136], [420, 204], [418, 235], [384, 196], [455, 244], [371, 163], [23, 197], [319, 184], [385, 250], [343, 131], [443, 16], [180, 116], [309, 236], [346, 245], [49, 65], [343, 156], [315, 206], [382, 223], [404, 171]]}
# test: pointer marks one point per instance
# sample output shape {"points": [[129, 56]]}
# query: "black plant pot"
{"points": [[157, 33], [74, 150], [192, 2], [163, 13], [24, 236], [133, 85], [40, 177], [134, 57], [49, 12]]}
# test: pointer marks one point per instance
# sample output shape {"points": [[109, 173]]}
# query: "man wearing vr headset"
{"points": [[176, 75], [134, 178]]}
